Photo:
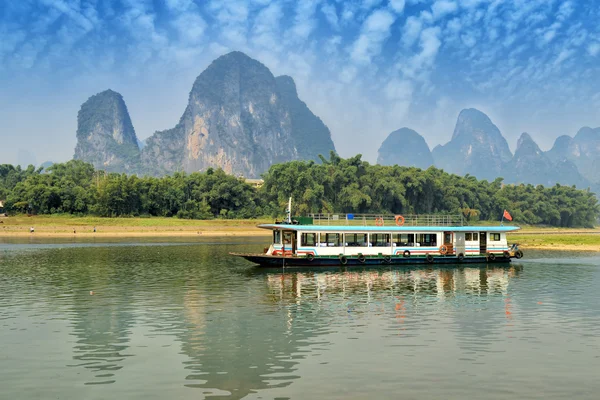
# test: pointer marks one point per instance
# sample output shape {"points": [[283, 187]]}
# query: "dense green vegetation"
{"points": [[335, 185]]}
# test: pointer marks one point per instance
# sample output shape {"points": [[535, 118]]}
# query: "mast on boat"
{"points": [[289, 211]]}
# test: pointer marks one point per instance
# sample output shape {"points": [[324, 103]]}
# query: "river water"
{"points": [[145, 320]]}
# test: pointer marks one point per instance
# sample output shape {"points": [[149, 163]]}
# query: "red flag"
{"points": [[507, 216]]}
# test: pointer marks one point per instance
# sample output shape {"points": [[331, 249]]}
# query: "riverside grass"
{"points": [[588, 241], [68, 225]]}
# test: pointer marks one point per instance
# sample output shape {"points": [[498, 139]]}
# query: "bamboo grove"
{"points": [[332, 185]]}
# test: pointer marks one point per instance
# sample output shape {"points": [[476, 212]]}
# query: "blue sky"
{"points": [[365, 67]]}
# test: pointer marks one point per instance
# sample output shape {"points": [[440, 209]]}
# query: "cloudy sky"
{"points": [[365, 67]]}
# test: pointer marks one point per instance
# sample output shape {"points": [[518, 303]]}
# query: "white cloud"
{"points": [[469, 39], [565, 10], [369, 4], [471, 3], [331, 15], [190, 27], [304, 21], [348, 74], [266, 30], [179, 5], [398, 89], [397, 5], [85, 21], [412, 30], [374, 31], [232, 18], [593, 49], [563, 55], [332, 44], [419, 65], [441, 8]]}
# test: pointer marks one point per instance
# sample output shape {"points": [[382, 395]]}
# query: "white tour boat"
{"points": [[360, 239]]}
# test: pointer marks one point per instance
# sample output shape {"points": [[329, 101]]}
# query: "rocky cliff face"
{"points": [[235, 120], [105, 134], [405, 147], [311, 136], [477, 147], [532, 165], [583, 150], [239, 118]]}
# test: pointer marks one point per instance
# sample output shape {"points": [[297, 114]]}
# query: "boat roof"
{"points": [[387, 229]]}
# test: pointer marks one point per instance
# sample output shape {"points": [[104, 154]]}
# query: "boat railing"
{"points": [[386, 220]]}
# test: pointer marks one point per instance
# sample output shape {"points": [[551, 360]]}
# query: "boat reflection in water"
{"points": [[441, 282]]}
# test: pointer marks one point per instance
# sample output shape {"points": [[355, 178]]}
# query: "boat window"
{"points": [[475, 236], [427, 239], [356, 239], [404, 239], [330, 239], [308, 239], [468, 236], [494, 237], [380, 239], [277, 237]]}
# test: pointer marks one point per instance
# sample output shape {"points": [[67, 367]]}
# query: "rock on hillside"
{"points": [[311, 136], [532, 165], [583, 150], [405, 147], [477, 147], [105, 134], [235, 120]]}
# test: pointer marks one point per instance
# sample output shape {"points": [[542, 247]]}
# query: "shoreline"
{"points": [[55, 227], [205, 231], [119, 233], [562, 247]]}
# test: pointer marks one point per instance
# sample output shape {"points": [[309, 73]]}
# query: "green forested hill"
{"points": [[335, 185]]}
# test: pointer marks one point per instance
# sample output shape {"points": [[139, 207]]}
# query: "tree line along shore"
{"points": [[334, 185]]}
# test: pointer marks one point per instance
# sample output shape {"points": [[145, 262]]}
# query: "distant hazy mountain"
{"points": [[46, 164], [105, 134], [583, 150], [405, 147], [477, 147], [532, 165]]}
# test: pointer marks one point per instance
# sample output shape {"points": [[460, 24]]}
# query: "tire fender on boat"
{"points": [[429, 258], [406, 254], [343, 260], [361, 258], [506, 255], [461, 257], [310, 256], [491, 256], [387, 259], [519, 254]]}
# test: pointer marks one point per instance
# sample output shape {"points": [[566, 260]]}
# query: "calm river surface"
{"points": [[143, 320]]}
